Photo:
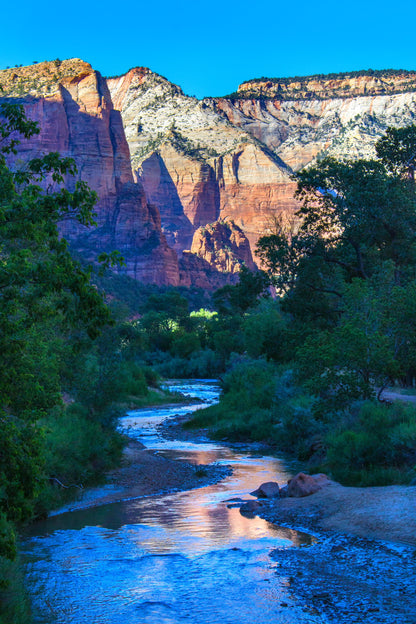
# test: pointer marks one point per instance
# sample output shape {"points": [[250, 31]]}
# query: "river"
{"points": [[182, 558], [186, 557]]}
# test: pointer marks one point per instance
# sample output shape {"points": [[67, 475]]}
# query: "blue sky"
{"points": [[210, 48]]}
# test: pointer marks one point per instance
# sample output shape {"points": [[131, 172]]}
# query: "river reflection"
{"points": [[183, 557]]}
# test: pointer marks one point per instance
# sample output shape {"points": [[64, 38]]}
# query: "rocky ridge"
{"points": [[347, 84], [325, 118]]}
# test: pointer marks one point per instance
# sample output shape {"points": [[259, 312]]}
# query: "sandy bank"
{"points": [[145, 473], [385, 513]]}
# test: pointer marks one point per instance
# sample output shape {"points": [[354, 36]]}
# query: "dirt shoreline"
{"points": [[143, 473], [385, 513]]}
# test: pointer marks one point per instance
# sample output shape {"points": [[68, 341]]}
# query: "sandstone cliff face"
{"points": [[195, 271], [187, 164], [324, 117], [194, 164], [353, 84], [76, 117], [232, 158], [224, 246]]}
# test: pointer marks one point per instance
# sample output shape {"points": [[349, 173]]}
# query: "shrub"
{"points": [[78, 449], [244, 409], [297, 425], [203, 363], [14, 599], [249, 383], [379, 447]]}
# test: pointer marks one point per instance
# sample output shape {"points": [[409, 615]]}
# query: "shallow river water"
{"points": [[184, 557]]}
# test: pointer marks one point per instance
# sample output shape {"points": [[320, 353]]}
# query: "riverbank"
{"points": [[199, 546], [385, 513], [144, 472], [361, 567]]}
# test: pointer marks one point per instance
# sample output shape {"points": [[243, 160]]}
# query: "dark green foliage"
{"points": [[78, 449], [348, 270], [244, 295], [47, 309], [248, 390], [265, 332], [15, 603], [397, 151], [199, 364], [378, 448], [296, 425], [184, 344], [21, 464]]}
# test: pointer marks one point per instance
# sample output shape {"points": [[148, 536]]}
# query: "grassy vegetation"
{"points": [[366, 444], [15, 603]]}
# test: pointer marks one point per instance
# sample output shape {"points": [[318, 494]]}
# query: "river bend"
{"points": [[181, 558]]}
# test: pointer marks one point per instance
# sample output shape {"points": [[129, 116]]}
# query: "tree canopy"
{"points": [[353, 250], [46, 298]]}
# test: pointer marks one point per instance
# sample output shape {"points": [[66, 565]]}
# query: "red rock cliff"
{"points": [[76, 117], [196, 166]]}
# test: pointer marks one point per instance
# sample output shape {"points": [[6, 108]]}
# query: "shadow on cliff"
{"points": [[162, 192], [95, 139]]}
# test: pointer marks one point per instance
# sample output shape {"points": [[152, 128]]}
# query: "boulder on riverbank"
{"points": [[250, 507], [299, 486], [304, 485], [267, 490]]}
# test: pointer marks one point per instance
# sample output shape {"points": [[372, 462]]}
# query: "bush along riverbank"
{"points": [[364, 443]]}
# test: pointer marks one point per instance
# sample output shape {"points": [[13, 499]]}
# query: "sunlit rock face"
{"points": [[165, 166], [233, 158], [76, 117], [224, 246], [303, 119], [195, 165]]}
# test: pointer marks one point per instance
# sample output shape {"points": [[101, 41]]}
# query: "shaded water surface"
{"points": [[185, 557]]}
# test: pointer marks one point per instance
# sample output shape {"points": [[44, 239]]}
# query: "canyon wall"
{"points": [[76, 117], [195, 164], [233, 158], [186, 187]]}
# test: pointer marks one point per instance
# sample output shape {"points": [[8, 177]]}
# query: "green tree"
{"points": [[348, 271], [397, 151], [237, 299], [356, 357], [44, 296]]}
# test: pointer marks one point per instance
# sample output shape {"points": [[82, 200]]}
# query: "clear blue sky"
{"points": [[208, 48]]}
